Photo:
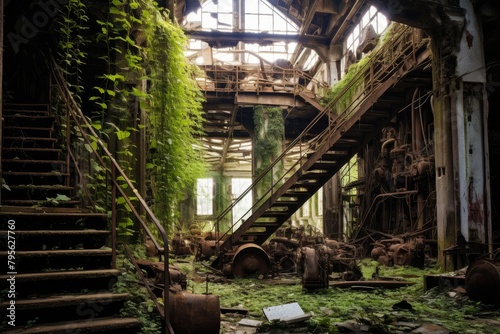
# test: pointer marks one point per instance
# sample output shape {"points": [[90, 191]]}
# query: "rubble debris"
{"points": [[249, 322]]}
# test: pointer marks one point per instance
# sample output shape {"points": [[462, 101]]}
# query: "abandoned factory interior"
{"points": [[250, 166]]}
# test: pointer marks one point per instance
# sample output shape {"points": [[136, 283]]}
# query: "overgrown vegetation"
{"points": [[269, 132], [140, 305], [147, 91], [175, 113], [399, 310]]}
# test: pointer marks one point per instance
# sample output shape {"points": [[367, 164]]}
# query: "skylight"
{"points": [[257, 17]]}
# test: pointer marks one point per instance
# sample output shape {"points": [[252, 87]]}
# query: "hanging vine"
{"points": [[175, 113], [144, 65], [71, 26]]}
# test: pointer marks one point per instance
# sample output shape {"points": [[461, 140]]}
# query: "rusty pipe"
{"points": [[417, 135]]}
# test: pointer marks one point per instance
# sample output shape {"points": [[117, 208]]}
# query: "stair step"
{"points": [[322, 164], [63, 275], [27, 109], [35, 178], [35, 153], [65, 300], [39, 193], [26, 119], [60, 253], [24, 131], [68, 307], [275, 213], [36, 166], [29, 120], [57, 233], [32, 261], [33, 161], [56, 281], [37, 202], [109, 325], [29, 142], [41, 186], [29, 218], [59, 239]]}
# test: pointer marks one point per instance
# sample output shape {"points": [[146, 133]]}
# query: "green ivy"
{"points": [[269, 132], [174, 108], [144, 65], [71, 25]]}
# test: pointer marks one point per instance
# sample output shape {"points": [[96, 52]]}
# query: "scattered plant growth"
{"points": [[379, 310]]}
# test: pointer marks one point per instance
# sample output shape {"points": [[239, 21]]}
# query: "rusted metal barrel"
{"points": [[194, 313], [482, 281]]}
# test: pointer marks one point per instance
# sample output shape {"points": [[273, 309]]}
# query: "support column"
{"points": [[460, 109], [460, 122], [267, 146]]}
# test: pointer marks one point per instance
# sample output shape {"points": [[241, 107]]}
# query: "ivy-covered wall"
{"points": [[269, 129]]}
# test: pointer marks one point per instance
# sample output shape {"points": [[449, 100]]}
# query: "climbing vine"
{"points": [[146, 73], [71, 25], [146, 46], [174, 113]]}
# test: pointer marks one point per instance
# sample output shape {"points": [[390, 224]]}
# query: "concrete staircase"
{"points": [[57, 274]]}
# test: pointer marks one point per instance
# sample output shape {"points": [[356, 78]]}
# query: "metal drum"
{"points": [[482, 281], [194, 313]]}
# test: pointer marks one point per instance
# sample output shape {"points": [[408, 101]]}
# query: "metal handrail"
{"points": [[390, 57], [75, 117], [226, 77]]}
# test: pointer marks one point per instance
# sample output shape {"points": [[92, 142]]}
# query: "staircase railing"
{"points": [[400, 49], [82, 144]]}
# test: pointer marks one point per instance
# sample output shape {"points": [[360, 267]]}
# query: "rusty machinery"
{"points": [[279, 255], [400, 251], [482, 279], [190, 313], [317, 262], [242, 260]]}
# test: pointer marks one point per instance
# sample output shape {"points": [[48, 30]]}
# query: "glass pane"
{"points": [[204, 196], [242, 209], [251, 22], [225, 21]]}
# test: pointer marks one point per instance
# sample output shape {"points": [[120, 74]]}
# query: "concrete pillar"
{"points": [[332, 209], [460, 109], [335, 71], [268, 139], [460, 121]]}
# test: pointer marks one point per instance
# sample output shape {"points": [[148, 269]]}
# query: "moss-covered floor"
{"points": [[408, 309]]}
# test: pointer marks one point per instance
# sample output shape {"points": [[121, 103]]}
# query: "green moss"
{"points": [[375, 307]]}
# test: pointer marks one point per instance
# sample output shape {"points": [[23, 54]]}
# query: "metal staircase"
{"points": [[351, 125], [61, 252], [60, 277]]}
